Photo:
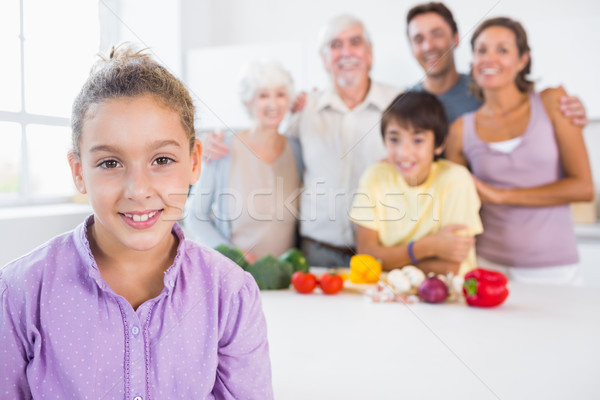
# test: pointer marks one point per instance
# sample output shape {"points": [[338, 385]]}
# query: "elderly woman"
{"points": [[528, 160], [248, 199]]}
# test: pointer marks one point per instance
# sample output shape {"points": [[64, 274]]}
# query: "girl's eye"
{"points": [[109, 164], [418, 140], [163, 161]]}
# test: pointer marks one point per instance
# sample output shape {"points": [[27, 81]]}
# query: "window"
{"points": [[47, 50]]}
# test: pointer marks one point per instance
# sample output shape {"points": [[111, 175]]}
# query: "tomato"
{"points": [[331, 284], [304, 282]]}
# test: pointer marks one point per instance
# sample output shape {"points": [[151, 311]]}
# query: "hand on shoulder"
{"points": [[558, 103], [553, 94], [214, 146]]}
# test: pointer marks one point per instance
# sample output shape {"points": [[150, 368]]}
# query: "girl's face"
{"points": [[496, 60], [269, 106], [410, 151], [135, 166]]}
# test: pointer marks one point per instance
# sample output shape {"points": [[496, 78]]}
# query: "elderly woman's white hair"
{"points": [[260, 74], [336, 25]]}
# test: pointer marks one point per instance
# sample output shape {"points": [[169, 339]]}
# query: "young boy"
{"points": [[412, 208]]}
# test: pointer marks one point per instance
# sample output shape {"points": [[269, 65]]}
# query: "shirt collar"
{"points": [[375, 98], [83, 247]]}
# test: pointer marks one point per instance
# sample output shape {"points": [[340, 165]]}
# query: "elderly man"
{"points": [[338, 130], [433, 36]]}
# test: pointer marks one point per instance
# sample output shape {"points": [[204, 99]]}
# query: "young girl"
{"points": [[411, 208], [528, 160], [124, 306]]}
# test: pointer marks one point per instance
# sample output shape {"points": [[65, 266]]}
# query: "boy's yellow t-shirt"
{"points": [[401, 213]]}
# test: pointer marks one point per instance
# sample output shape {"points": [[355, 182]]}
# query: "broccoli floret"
{"points": [[233, 254], [271, 273]]}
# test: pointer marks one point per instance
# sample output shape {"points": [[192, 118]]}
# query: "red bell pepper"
{"points": [[485, 288]]}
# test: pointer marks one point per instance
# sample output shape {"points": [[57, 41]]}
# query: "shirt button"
{"points": [[135, 330], [172, 283], [138, 398]]}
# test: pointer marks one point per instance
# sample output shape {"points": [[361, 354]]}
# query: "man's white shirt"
{"points": [[338, 144]]}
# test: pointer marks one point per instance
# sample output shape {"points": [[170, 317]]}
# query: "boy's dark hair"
{"points": [[437, 8], [418, 110]]}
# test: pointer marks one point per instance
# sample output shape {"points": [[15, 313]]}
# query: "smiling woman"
{"points": [[249, 198], [528, 161]]}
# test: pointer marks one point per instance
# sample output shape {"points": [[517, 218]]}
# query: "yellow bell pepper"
{"points": [[364, 269]]}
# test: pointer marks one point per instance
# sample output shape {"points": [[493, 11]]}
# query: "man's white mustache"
{"points": [[348, 62]]}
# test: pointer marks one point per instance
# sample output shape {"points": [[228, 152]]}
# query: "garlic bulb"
{"points": [[398, 280], [414, 274]]}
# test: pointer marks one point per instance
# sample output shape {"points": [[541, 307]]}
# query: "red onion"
{"points": [[433, 290]]}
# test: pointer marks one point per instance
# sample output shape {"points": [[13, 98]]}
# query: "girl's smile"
{"points": [[141, 220]]}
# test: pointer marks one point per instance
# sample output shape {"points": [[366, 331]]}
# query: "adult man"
{"points": [[338, 130], [433, 36]]}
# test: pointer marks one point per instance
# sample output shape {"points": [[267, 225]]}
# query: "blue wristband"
{"points": [[413, 259]]}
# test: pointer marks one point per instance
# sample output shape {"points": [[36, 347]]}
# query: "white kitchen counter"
{"points": [[588, 231], [542, 343]]}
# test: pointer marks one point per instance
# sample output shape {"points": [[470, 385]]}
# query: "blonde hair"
{"points": [[128, 72]]}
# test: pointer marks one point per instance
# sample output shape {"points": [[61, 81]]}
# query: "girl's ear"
{"points": [[196, 161], [77, 172]]}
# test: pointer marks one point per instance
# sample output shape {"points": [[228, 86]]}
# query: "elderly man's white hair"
{"points": [[337, 25], [261, 74]]}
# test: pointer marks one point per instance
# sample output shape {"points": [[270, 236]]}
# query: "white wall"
{"points": [[23, 229], [153, 24], [563, 38]]}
